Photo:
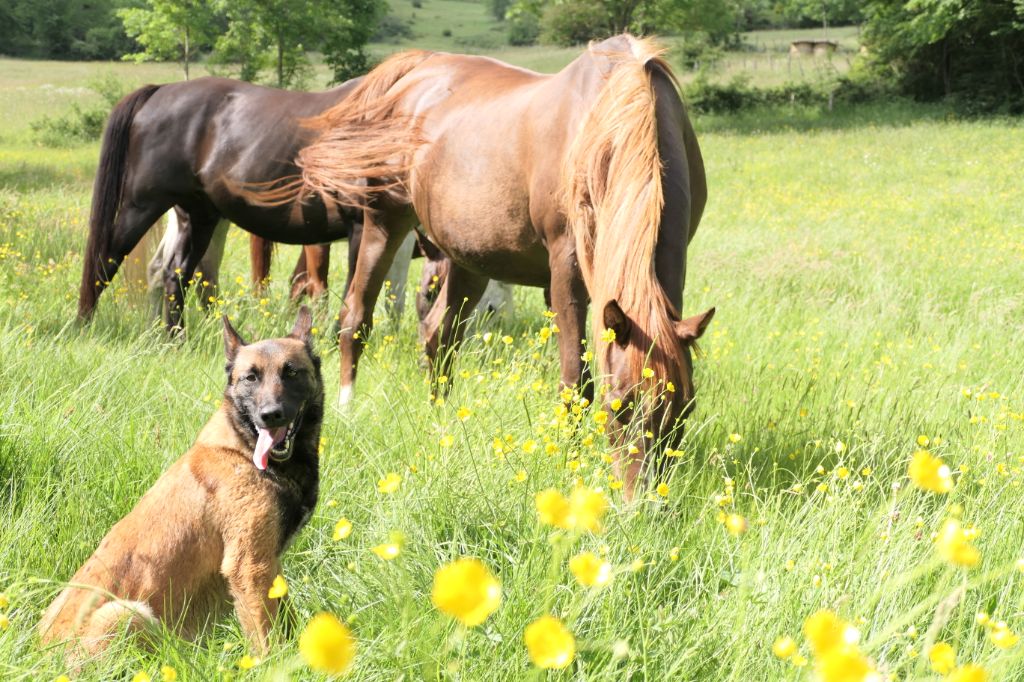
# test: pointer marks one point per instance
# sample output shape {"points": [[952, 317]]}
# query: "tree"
{"points": [[348, 28], [969, 50], [169, 29]]}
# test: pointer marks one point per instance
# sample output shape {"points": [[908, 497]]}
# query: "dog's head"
{"points": [[274, 389]]}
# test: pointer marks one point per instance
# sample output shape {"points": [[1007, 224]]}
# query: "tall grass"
{"points": [[869, 291]]}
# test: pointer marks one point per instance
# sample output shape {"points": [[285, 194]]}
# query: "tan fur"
{"points": [[206, 534], [612, 184], [363, 148]]}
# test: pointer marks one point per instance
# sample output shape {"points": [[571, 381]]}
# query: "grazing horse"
{"points": [[589, 180], [191, 145]]}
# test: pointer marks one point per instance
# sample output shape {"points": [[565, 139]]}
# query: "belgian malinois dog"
{"points": [[212, 529]]}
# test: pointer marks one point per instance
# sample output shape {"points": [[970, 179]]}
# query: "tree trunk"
{"points": [[187, 46], [280, 61]]}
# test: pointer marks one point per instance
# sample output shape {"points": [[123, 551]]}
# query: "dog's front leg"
{"points": [[249, 576]]}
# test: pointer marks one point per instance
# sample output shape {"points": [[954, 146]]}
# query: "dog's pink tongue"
{"points": [[266, 440]]}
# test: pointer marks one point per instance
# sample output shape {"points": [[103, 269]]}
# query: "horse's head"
{"points": [[649, 381]]}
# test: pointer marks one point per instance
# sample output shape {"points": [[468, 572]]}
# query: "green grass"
{"points": [[866, 267]]}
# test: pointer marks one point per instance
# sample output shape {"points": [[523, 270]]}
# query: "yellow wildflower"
{"points": [[968, 673], [342, 529], [590, 570], [278, 589], [608, 335], [327, 645], [142, 676], [553, 508], [942, 657], [549, 643], [953, 545], [586, 507], [784, 647], [168, 674], [1002, 636], [466, 591], [662, 489], [247, 662], [735, 524], [735, 438], [930, 473], [389, 483]]}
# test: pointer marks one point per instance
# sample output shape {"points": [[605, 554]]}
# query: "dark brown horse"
{"points": [[190, 145], [590, 180]]}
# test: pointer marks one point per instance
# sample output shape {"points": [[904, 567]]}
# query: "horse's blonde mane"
{"points": [[613, 200], [363, 147]]}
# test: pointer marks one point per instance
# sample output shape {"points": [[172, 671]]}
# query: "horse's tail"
{"points": [[107, 192], [613, 201], [360, 140]]}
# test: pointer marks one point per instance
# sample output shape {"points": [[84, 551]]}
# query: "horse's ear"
{"points": [[232, 341], [303, 325], [692, 328], [616, 320]]}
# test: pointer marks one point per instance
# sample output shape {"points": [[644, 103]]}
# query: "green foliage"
{"points": [[62, 29], [739, 95], [523, 27], [392, 29], [83, 123], [498, 8], [574, 22], [969, 50], [346, 28], [169, 30]]}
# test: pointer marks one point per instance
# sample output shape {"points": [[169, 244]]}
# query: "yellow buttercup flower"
{"points": [[247, 662], [930, 473], [834, 644], [968, 673], [342, 529], [735, 524], [824, 630], [4, 600], [278, 589], [662, 489], [590, 570], [735, 438], [923, 441], [553, 508], [942, 657], [648, 373], [615, 404], [142, 676], [463, 413], [168, 674], [587, 507], [953, 545], [5, 622], [608, 335], [389, 483], [1002, 636], [387, 551], [62, 678], [466, 591], [549, 643], [843, 664], [784, 647], [327, 645]]}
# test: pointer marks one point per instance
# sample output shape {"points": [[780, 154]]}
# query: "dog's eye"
{"points": [[251, 376], [290, 371]]}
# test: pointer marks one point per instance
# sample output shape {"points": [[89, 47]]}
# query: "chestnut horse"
{"points": [[190, 145], [589, 180]]}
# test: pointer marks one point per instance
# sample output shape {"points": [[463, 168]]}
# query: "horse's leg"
{"points": [[209, 264], [442, 329], [397, 276], [192, 244], [380, 241], [260, 253], [569, 301], [158, 263], [355, 236], [310, 275]]}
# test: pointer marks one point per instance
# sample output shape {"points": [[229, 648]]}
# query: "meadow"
{"points": [[868, 270]]}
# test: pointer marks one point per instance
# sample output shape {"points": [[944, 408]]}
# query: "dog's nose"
{"points": [[272, 416]]}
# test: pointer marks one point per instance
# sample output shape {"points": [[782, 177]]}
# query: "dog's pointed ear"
{"points": [[692, 328], [616, 320], [303, 325], [232, 341]]}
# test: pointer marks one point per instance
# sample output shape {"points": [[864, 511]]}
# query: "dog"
{"points": [[212, 529]]}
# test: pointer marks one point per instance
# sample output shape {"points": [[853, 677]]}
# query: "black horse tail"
{"points": [[107, 192]]}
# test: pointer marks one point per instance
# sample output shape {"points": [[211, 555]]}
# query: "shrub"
{"points": [[523, 29], [81, 123], [574, 23], [393, 29]]}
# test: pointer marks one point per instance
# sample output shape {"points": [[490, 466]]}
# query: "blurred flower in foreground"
{"points": [[784, 647], [968, 673], [549, 643], [942, 657], [953, 545], [278, 589], [466, 591], [837, 658], [327, 645], [342, 529], [930, 473], [590, 570]]}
